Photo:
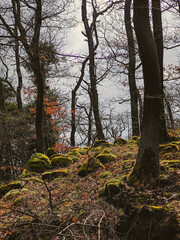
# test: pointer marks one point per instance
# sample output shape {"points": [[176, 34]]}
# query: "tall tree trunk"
{"points": [[73, 102], [131, 70], [158, 36], [18, 69], [95, 101], [171, 119], [32, 51], [146, 169]]}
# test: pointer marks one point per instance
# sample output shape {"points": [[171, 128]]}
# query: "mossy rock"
{"points": [[55, 174], [128, 155], [36, 165], [50, 152], [171, 163], [89, 166], [8, 187], [56, 155], [83, 150], [120, 141], [106, 151], [27, 174], [105, 174], [61, 161], [106, 158], [41, 156], [138, 198], [102, 142], [14, 193], [75, 159], [74, 153], [110, 189], [131, 143], [136, 138], [128, 164], [170, 147]]}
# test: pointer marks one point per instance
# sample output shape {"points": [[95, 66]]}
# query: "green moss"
{"points": [[75, 159], [110, 189], [128, 164], [89, 166], [145, 170], [26, 174], [61, 161], [74, 153], [106, 158], [105, 174], [171, 163], [131, 143], [50, 152], [6, 188], [14, 193], [102, 142], [55, 174], [138, 198], [170, 147], [120, 141], [106, 151], [36, 165], [136, 138], [83, 150], [41, 156]]}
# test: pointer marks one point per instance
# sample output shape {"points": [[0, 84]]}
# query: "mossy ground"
{"points": [[74, 206]]}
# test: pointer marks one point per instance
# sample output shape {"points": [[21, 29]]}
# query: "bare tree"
{"points": [[146, 169]]}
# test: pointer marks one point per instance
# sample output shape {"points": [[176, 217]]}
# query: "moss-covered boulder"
{"points": [[74, 152], [89, 166], [106, 151], [27, 174], [55, 174], [36, 165], [61, 161], [83, 150], [50, 152], [105, 174], [171, 163], [14, 193], [75, 155], [128, 164], [170, 147], [106, 158], [102, 142], [43, 157], [8, 187], [110, 189], [120, 141]]}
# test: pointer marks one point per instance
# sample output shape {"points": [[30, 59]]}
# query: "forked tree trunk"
{"points": [[146, 169], [92, 47], [131, 69]]}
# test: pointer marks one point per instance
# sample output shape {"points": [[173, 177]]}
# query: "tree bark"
{"points": [[73, 103], [146, 169], [18, 69], [131, 70], [158, 36], [91, 47]]}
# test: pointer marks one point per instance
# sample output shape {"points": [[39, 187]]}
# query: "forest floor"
{"points": [[68, 207]]}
